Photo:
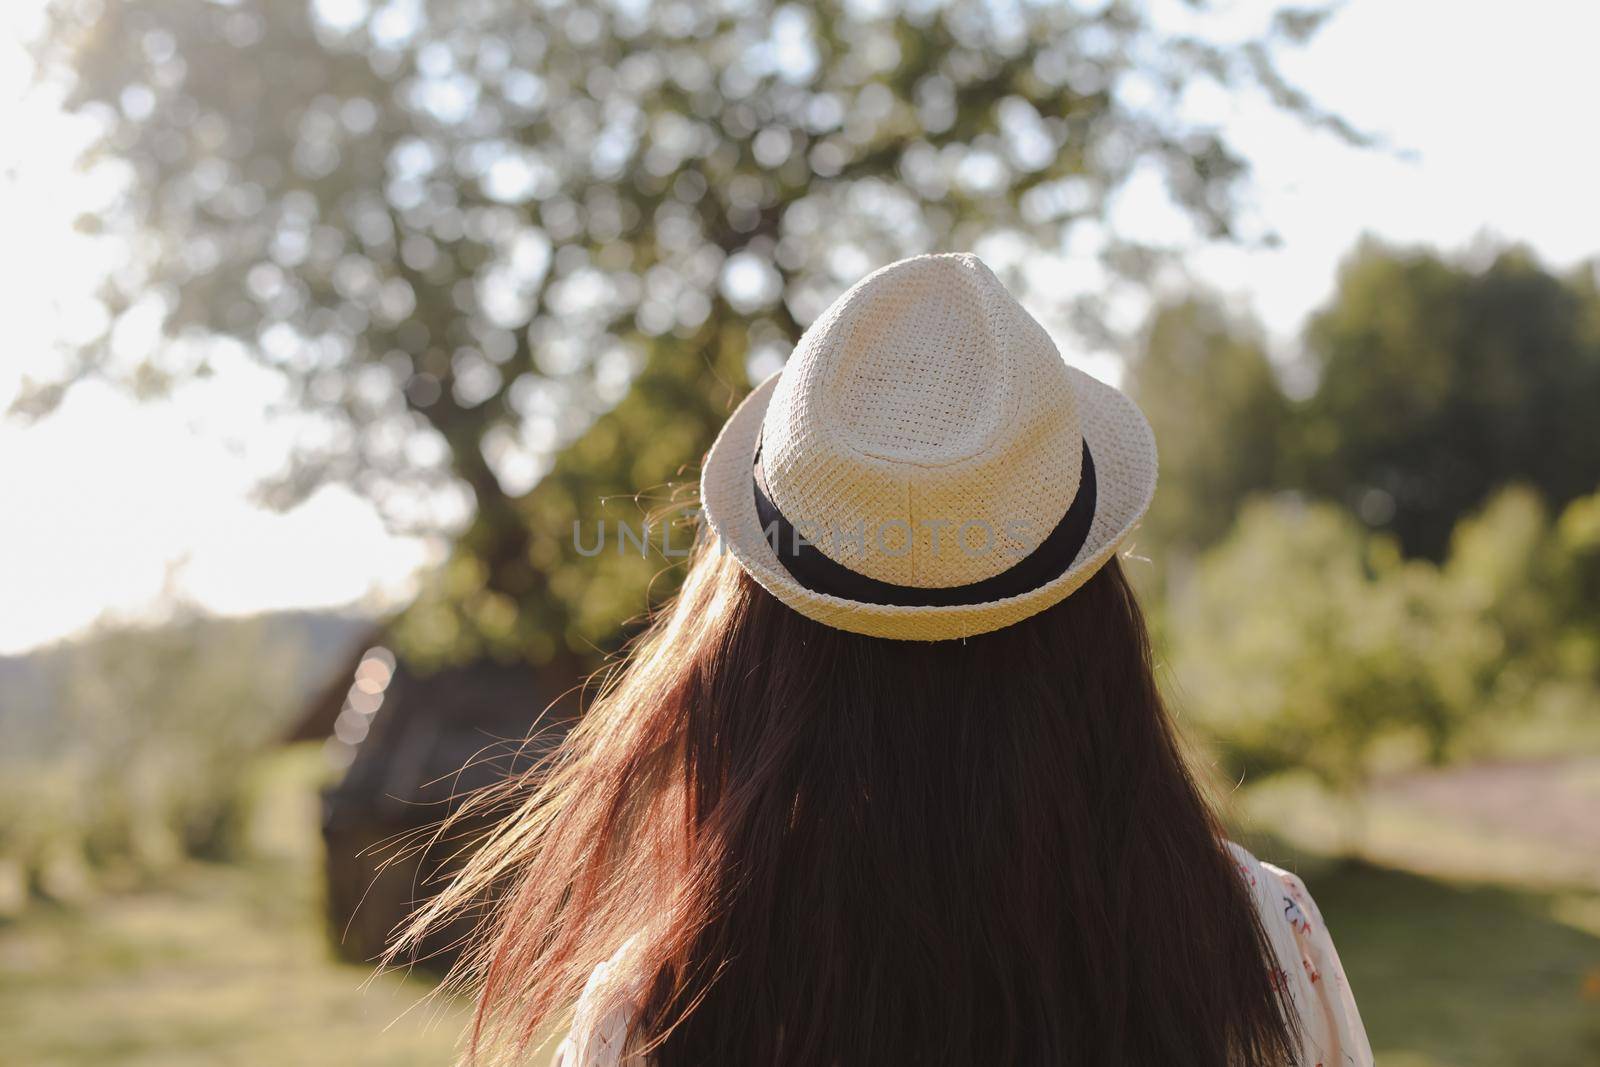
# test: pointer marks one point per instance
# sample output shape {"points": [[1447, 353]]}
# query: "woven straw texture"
{"points": [[926, 432]]}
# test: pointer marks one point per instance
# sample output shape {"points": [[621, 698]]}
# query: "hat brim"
{"points": [[1124, 451]]}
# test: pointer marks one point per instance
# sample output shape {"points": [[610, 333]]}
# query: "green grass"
{"points": [[214, 964], [1470, 926], [1459, 975], [216, 967], [217, 964]]}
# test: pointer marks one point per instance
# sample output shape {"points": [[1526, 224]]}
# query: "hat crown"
{"points": [[915, 362], [925, 431]]}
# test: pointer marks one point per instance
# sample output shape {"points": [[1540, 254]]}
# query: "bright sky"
{"points": [[110, 508]]}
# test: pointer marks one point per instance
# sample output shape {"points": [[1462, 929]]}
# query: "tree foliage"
{"points": [[132, 752], [1205, 381], [1440, 381], [1302, 643], [1437, 381], [1537, 580], [496, 244], [1305, 641]]}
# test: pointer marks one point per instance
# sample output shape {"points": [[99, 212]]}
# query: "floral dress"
{"points": [[1331, 1033]]}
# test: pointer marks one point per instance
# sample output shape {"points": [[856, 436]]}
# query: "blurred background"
{"points": [[326, 322]]}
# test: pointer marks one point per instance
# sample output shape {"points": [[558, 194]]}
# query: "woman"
{"points": [[891, 782]]}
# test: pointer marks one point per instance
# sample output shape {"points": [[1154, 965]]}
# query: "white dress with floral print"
{"points": [[1330, 1026], [1331, 1034]]}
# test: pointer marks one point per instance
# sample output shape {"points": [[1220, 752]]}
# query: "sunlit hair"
{"points": [[828, 849]]}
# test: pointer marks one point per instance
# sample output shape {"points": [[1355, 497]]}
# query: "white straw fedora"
{"points": [[926, 466]]}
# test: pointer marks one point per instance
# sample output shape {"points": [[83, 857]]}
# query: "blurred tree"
{"points": [[139, 754], [477, 235], [1578, 539], [1203, 378], [1305, 642], [1536, 581], [1440, 382], [1505, 560]]}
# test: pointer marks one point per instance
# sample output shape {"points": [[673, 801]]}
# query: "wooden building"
{"points": [[413, 746]]}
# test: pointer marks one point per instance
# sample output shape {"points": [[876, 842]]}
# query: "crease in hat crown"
{"points": [[926, 431]]}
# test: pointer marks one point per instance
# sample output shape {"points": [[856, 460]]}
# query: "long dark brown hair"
{"points": [[828, 849]]}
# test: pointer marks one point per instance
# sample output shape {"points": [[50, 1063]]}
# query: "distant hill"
{"points": [[321, 642]]}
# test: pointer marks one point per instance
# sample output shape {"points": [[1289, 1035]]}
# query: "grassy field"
{"points": [[1467, 975], [1470, 927], [1459, 966], [217, 967]]}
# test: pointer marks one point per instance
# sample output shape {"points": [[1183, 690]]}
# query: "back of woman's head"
{"points": [[824, 848]]}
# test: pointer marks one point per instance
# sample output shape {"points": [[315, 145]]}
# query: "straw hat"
{"points": [[926, 466]]}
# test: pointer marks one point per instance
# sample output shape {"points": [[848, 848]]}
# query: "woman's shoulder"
{"points": [[598, 1036], [1307, 963], [1267, 882], [1281, 897]]}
